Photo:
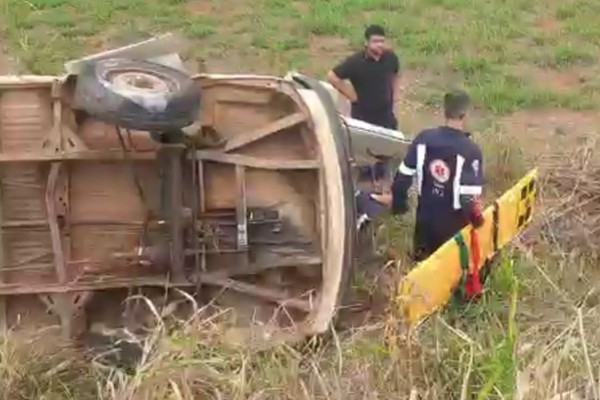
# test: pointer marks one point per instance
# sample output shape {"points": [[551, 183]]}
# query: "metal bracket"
{"points": [[60, 138], [241, 208], [70, 310], [57, 246], [172, 197]]}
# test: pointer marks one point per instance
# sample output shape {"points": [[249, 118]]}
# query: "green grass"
{"points": [[527, 323], [477, 42]]}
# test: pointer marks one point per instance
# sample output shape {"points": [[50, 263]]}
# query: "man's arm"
{"points": [[396, 78], [397, 200], [471, 187], [403, 179], [396, 89], [336, 77]]}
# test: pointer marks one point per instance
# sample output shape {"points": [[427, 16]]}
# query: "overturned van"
{"points": [[127, 174]]}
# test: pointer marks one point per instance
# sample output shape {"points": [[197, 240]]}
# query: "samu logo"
{"points": [[439, 170]]}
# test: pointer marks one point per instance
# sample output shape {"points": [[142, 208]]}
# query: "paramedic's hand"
{"points": [[477, 219], [383, 198], [387, 200]]}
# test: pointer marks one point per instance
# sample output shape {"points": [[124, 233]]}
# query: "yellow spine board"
{"points": [[431, 283]]}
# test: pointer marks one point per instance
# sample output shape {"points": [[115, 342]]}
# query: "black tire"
{"points": [[138, 95]]}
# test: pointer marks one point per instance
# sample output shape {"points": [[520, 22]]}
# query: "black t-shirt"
{"points": [[372, 80]]}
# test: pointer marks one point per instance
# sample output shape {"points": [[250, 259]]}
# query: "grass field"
{"points": [[511, 54], [531, 66]]}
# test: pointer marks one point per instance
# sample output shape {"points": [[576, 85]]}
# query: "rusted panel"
{"points": [[25, 118], [241, 96], [231, 119], [98, 135], [24, 188], [285, 145], [105, 191]]}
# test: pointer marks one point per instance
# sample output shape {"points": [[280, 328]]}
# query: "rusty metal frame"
{"points": [[3, 306], [67, 297], [55, 236]]}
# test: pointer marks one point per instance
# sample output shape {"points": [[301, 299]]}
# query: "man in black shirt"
{"points": [[374, 74]]}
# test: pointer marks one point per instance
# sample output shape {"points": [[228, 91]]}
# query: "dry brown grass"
{"points": [[572, 190]]}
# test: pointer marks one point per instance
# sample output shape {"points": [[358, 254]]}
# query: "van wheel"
{"points": [[138, 95]]}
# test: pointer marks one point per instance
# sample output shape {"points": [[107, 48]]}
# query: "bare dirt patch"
{"points": [[325, 44], [413, 115], [224, 10], [560, 81], [235, 62], [301, 6], [326, 51], [552, 131], [548, 23], [200, 7], [554, 121]]}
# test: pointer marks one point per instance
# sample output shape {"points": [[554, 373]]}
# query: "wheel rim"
{"points": [[137, 81]]}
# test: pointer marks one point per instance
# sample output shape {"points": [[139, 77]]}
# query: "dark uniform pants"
{"points": [[431, 232], [426, 241], [386, 119]]}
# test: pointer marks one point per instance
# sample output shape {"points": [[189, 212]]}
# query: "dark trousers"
{"points": [[426, 241], [432, 231], [386, 119]]}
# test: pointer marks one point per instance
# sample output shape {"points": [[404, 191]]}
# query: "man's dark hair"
{"points": [[374, 30], [456, 104]]}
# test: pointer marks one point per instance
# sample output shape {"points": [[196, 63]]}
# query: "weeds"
{"points": [[194, 362]]}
